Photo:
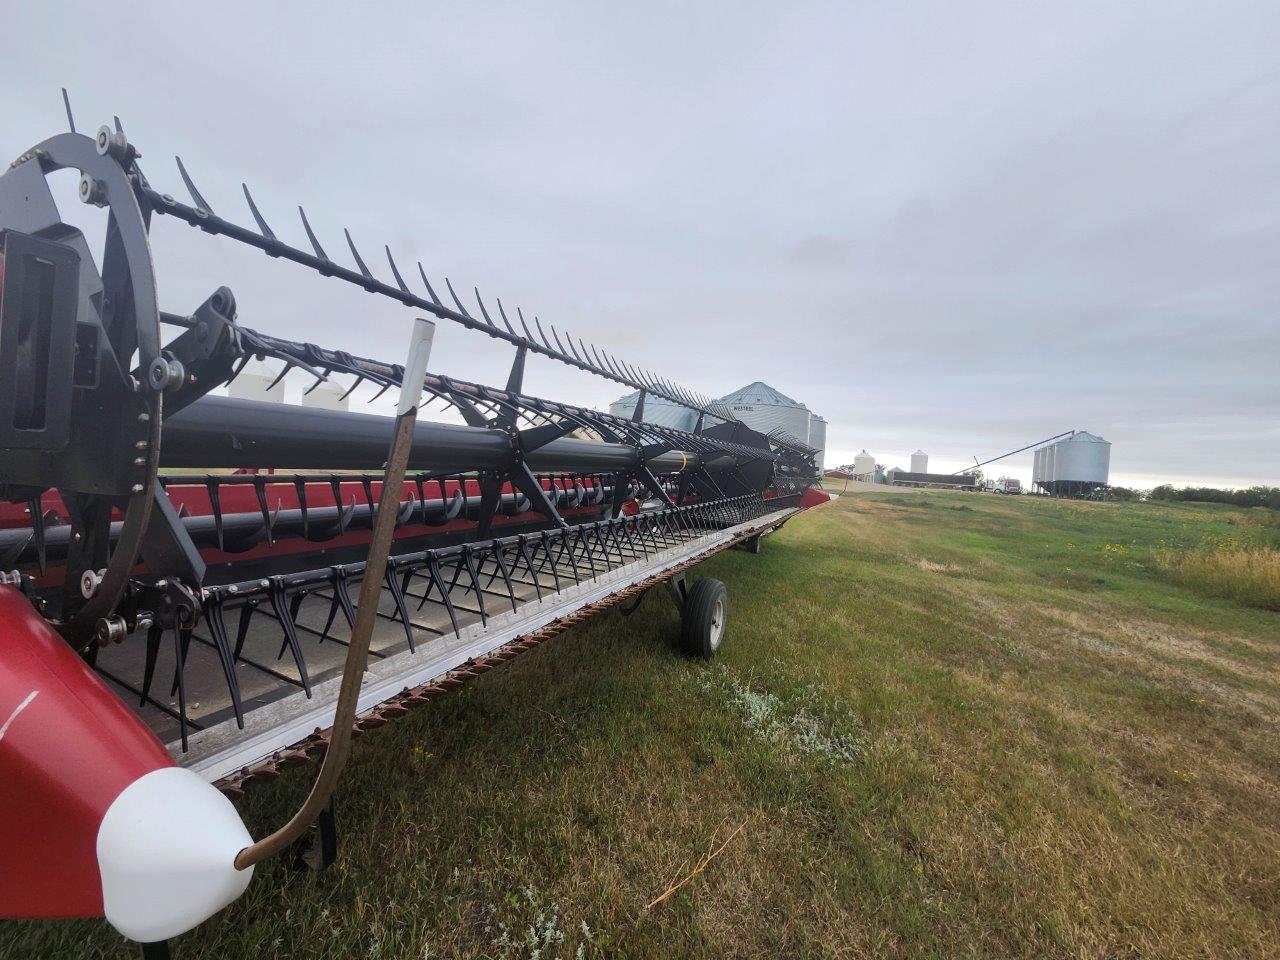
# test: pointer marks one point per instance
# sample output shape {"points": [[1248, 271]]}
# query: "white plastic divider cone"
{"points": [[166, 854]]}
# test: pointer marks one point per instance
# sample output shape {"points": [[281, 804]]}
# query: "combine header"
{"points": [[196, 590]]}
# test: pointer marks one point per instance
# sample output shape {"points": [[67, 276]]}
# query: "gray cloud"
{"points": [[958, 227]]}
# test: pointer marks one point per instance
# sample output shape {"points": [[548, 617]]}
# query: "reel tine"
{"points": [[527, 335], [359, 380], [181, 641], [452, 293], [364, 270], [201, 202], [66, 102], [528, 562], [437, 578], [599, 363], [485, 313], [281, 610], [334, 605], [469, 559], [265, 230], [542, 333], [556, 337], [155, 633], [344, 597], [395, 272], [289, 365], [431, 291], [300, 489], [393, 584], [260, 490], [503, 312], [218, 631], [499, 556], [315, 244], [242, 627]]}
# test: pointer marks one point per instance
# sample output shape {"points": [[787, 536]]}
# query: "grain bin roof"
{"points": [[760, 392]]}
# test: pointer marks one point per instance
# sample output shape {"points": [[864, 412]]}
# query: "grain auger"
{"points": [[198, 590]]}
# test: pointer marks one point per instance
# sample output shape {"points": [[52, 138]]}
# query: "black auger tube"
{"points": [[225, 432]]}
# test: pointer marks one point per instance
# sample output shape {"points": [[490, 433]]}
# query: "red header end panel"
{"points": [[68, 747]]}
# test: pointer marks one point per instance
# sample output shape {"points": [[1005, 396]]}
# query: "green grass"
{"points": [[953, 725]]}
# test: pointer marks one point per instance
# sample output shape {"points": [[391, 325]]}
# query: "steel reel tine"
{"points": [[453, 293], [290, 628], [359, 380], [181, 640], [542, 333], [395, 272], [572, 349], [265, 230], [364, 270], [311, 235], [397, 594], [289, 365], [503, 312], [201, 202], [599, 362], [527, 334], [155, 633], [612, 364], [434, 298], [218, 631], [483, 311], [66, 102]]}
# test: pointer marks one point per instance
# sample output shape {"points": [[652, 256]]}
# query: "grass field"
{"points": [[943, 725]]}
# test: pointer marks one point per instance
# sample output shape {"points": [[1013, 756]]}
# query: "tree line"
{"points": [[1249, 497]]}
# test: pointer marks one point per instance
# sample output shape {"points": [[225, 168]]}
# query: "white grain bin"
{"points": [[658, 411], [253, 382], [919, 462], [818, 437], [1074, 465], [327, 396], [864, 466]]}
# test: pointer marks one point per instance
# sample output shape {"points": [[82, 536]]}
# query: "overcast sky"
{"points": [[955, 226]]}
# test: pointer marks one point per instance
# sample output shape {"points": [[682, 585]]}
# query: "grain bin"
{"points": [[818, 437], [864, 466], [658, 411], [763, 408], [1074, 466], [919, 462]]}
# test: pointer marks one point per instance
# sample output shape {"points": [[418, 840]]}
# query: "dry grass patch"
{"points": [[1246, 574]]}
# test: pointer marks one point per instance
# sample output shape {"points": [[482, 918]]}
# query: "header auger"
{"points": [[177, 567]]}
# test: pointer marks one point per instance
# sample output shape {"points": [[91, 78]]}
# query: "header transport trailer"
{"points": [[176, 623]]}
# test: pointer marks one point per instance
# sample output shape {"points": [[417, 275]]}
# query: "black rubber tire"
{"points": [[702, 620]]}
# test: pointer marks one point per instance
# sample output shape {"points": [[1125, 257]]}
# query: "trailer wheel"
{"points": [[703, 617]]}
